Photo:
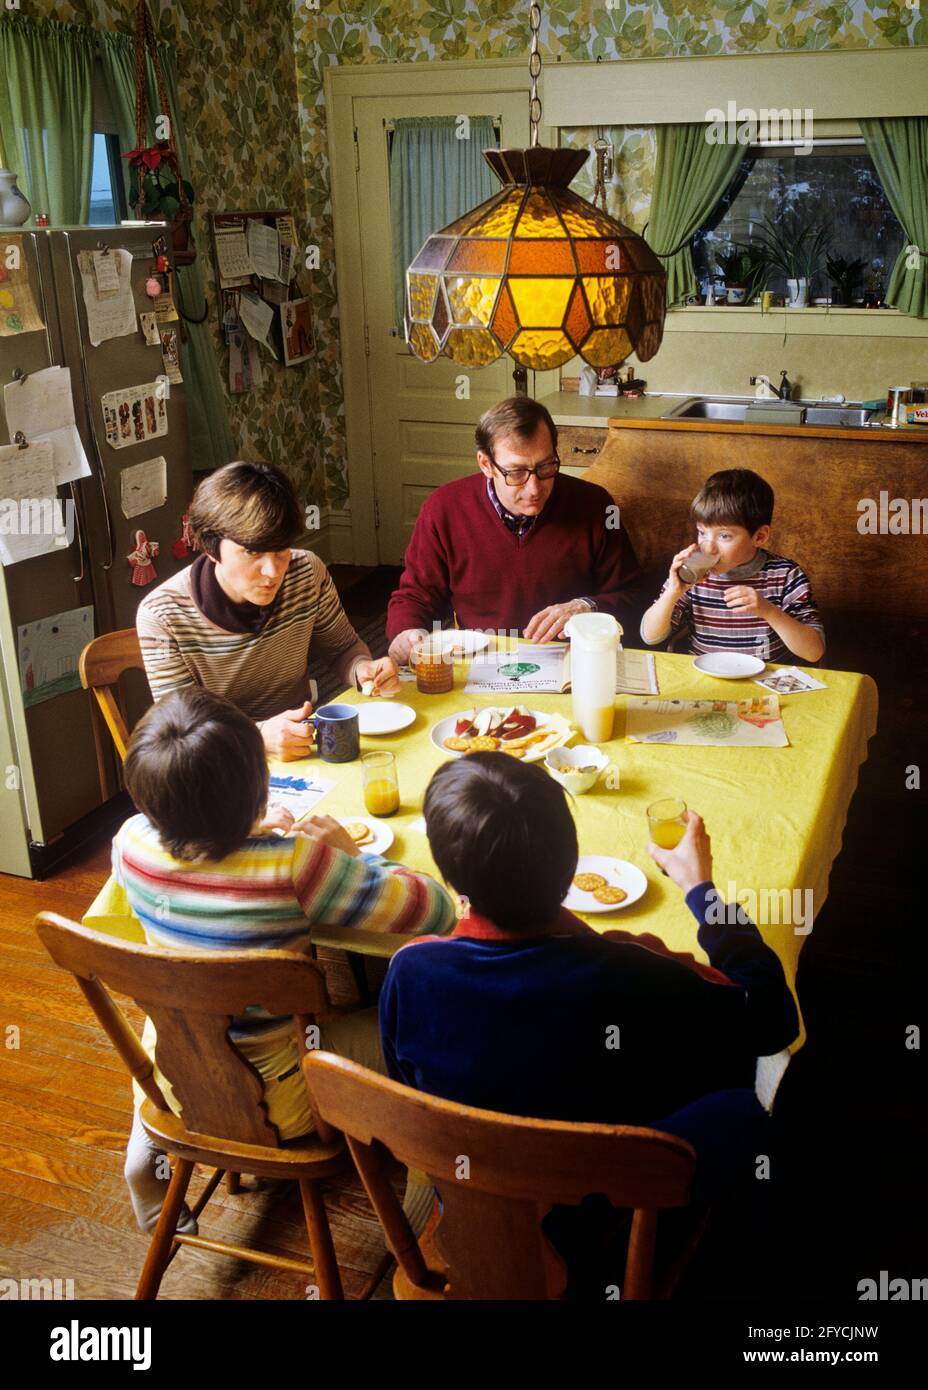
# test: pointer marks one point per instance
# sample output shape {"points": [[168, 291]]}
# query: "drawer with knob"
{"points": [[579, 445]]}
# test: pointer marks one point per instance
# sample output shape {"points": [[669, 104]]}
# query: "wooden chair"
{"points": [[488, 1243], [102, 664], [192, 999]]}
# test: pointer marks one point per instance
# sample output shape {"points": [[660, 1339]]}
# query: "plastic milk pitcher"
{"points": [[595, 639]]}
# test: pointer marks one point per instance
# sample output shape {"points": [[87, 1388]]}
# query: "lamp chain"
{"points": [[534, 68]]}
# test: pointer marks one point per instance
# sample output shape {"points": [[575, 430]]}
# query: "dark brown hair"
{"points": [[253, 504], [736, 497], [518, 415], [501, 832], [196, 767]]}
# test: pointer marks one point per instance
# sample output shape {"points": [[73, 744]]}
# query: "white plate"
{"points": [[729, 666], [555, 722], [384, 716], [618, 873], [383, 835], [464, 641]]}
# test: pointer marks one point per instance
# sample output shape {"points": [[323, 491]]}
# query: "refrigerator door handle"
{"points": [[82, 554], [99, 473]]}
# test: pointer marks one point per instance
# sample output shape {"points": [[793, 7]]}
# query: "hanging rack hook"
{"points": [[20, 376]]}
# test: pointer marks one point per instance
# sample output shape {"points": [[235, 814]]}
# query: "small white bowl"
{"points": [[562, 763]]}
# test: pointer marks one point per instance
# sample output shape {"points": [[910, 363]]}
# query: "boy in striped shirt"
{"points": [[751, 600]]}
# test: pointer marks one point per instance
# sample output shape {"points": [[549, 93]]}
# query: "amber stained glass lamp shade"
{"points": [[536, 272]]}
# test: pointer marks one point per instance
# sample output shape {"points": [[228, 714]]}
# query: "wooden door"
{"points": [[421, 415]]}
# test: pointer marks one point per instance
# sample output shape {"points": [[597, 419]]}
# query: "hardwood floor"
{"points": [[65, 1108], [847, 1200]]}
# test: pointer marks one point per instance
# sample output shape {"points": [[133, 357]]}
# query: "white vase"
{"points": [[798, 294], [14, 206]]}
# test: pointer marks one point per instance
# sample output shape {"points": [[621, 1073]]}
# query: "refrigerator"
{"points": [[54, 793]]}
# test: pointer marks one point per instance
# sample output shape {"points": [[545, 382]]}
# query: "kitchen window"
{"points": [[835, 185]]}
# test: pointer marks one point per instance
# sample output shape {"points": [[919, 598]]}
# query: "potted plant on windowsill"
{"points": [[797, 251], [744, 269], [845, 277], [158, 193]]}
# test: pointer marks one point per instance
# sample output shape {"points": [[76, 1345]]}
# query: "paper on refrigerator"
{"points": [[49, 650], [41, 407], [113, 316], [143, 487], [18, 313], [32, 519]]}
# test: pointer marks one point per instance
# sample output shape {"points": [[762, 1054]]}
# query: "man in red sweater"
{"points": [[516, 548]]}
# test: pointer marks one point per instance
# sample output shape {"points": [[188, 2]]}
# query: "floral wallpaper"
{"points": [[634, 155], [251, 75], [237, 86], [390, 31]]}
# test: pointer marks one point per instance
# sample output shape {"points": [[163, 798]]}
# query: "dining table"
{"points": [[775, 816]]}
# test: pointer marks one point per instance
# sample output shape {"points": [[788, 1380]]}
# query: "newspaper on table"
{"points": [[545, 669], [751, 723]]}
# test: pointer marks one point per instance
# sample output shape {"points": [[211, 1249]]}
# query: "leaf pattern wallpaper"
{"points": [[251, 79]]}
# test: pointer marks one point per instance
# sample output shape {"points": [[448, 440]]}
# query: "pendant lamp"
{"points": [[536, 271]]}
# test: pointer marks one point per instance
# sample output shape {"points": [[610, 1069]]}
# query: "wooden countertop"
{"points": [[910, 434]]}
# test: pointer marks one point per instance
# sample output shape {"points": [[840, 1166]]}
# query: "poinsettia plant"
{"points": [[155, 181]]}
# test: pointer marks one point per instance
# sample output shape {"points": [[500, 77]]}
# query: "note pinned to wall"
{"points": [[256, 317], [264, 249], [233, 261], [143, 487], [41, 405], [112, 316], [49, 650], [32, 519]]}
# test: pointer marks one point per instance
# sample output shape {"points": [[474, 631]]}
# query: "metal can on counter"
{"points": [[898, 400]]}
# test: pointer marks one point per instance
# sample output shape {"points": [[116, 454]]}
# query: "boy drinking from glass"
{"points": [[751, 600]]}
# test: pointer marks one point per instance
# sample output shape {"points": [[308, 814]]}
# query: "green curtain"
{"points": [[46, 86], [211, 440], [434, 178], [898, 147], [690, 177]]}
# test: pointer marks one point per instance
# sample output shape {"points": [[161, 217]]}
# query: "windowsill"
{"points": [[822, 319]]}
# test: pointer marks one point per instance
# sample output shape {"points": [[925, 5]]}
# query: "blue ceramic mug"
{"points": [[338, 737]]}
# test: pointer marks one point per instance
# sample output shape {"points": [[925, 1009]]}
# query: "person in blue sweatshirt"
{"points": [[524, 1009]]}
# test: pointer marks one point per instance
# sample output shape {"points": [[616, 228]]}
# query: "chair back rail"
{"points": [[192, 999], [489, 1239], [101, 665]]}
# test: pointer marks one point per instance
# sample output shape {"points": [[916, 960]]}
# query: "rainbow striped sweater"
{"points": [[268, 893]]}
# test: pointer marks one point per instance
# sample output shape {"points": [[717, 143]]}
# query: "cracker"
{"points": [[458, 745], [587, 883], [359, 831], [484, 743], [608, 894]]}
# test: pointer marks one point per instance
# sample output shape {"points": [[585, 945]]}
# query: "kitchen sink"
{"points": [[731, 408]]}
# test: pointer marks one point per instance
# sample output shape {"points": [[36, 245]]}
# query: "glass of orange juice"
{"points": [[667, 822], [381, 784]]}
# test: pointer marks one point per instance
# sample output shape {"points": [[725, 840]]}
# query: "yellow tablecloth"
{"points": [[775, 815]]}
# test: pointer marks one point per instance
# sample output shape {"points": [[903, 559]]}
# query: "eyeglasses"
{"points": [[515, 477]]}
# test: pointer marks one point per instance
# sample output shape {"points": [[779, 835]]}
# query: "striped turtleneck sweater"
{"points": [[263, 671]]}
